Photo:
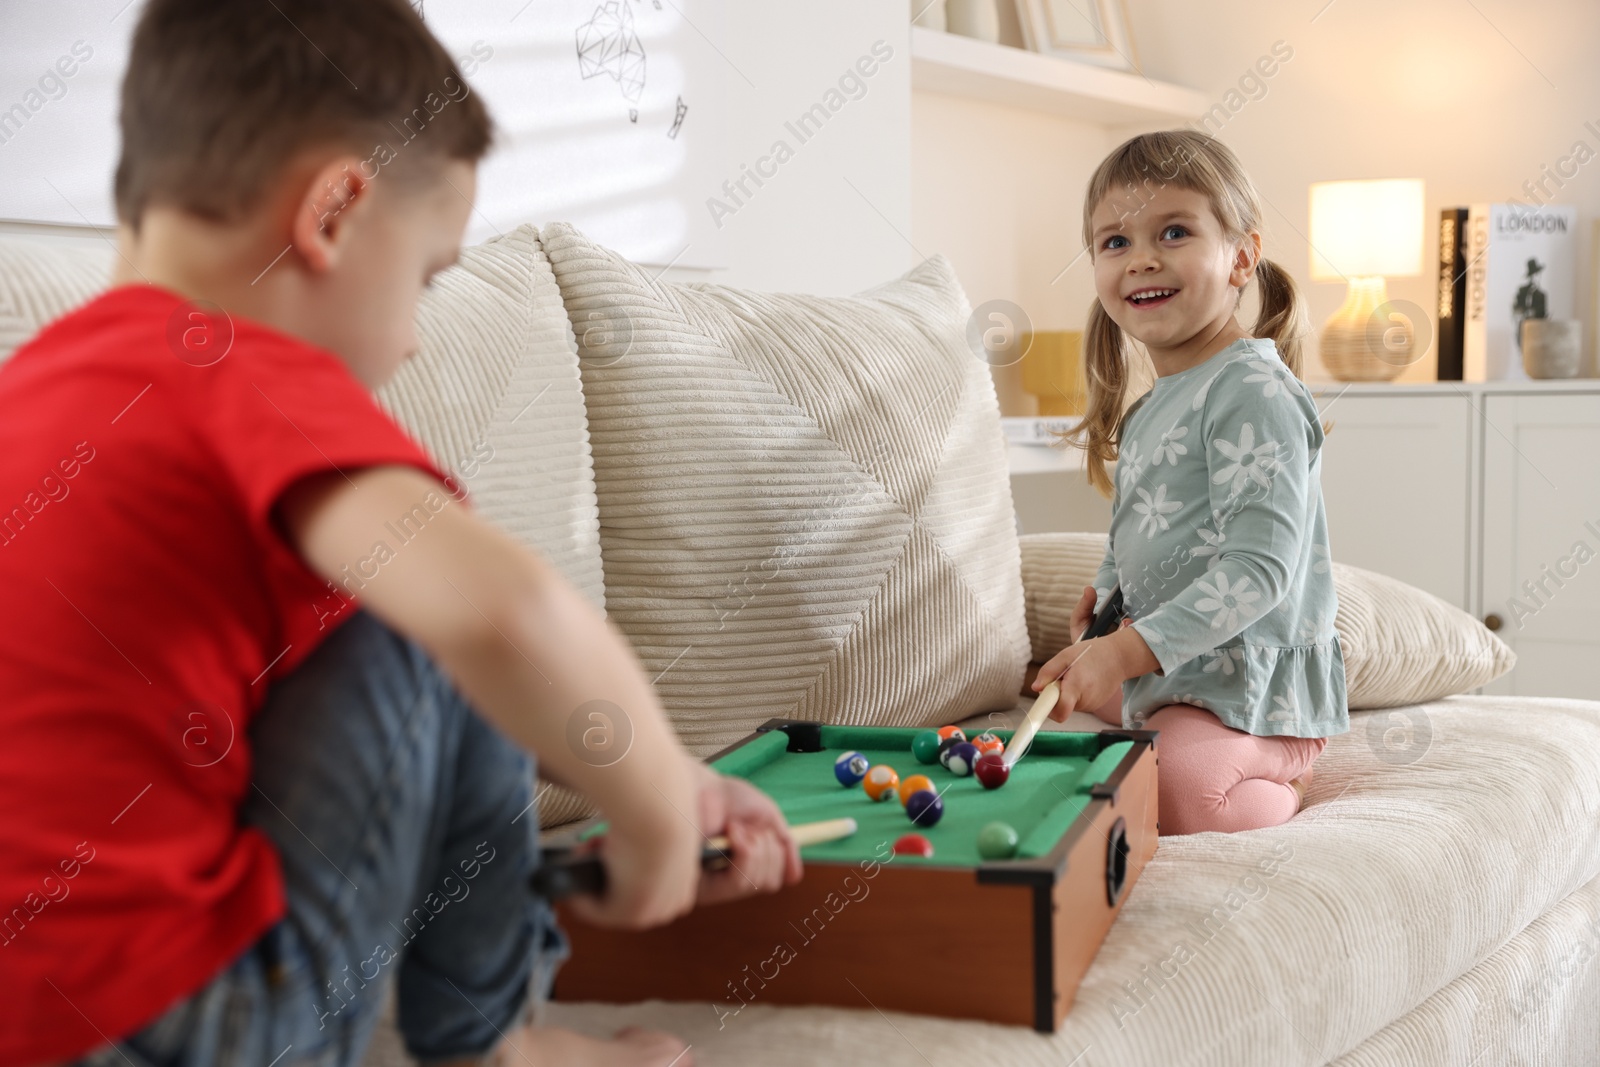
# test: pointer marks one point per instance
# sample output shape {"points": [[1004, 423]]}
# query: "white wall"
{"points": [[836, 218], [1472, 98]]}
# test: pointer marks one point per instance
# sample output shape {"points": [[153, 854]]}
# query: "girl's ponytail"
{"points": [[1105, 371], [1283, 313]]}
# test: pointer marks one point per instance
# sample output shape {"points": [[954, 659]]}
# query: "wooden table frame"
{"points": [[1007, 941]]}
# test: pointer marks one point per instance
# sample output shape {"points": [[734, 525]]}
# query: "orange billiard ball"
{"points": [[912, 784], [947, 732], [880, 782], [986, 743]]}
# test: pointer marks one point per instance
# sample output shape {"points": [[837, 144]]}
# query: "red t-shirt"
{"points": [[149, 603]]}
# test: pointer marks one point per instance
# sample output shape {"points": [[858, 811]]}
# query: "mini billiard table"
{"points": [[949, 934]]}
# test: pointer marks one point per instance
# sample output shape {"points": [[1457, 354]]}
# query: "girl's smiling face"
{"points": [[1167, 274]]}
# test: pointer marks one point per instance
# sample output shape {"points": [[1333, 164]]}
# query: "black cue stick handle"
{"points": [[564, 871], [1109, 617]]}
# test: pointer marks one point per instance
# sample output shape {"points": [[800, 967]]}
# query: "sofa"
{"points": [[799, 506]]}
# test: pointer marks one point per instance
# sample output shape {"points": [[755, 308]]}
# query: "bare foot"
{"points": [[632, 1046]]}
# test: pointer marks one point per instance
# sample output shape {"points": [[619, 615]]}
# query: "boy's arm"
{"points": [[526, 649]]}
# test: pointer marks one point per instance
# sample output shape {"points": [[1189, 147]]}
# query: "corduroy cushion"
{"points": [[804, 504], [1401, 645]]}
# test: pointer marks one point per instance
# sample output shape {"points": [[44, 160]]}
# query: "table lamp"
{"points": [[1361, 233]]}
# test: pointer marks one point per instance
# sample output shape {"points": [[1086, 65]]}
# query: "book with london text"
{"points": [[1520, 263]]}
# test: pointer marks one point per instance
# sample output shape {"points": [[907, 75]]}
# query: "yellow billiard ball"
{"points": [[881, 781]]}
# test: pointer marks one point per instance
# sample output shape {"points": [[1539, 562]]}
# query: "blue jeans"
{"points": [[407, 835]]}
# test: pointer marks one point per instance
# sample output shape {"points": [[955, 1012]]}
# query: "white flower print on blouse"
{"points": [[1223, 659], [1211, 548], [1200, 397], [1323, 559], [1249, 462], [1169, 448], [1129, 465], [1155, 510], [1275, 376], [1284, 710], [1225, 600]]}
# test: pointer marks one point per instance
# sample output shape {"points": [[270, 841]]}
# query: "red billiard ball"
{"points": [[992, 770], [913, 845]]}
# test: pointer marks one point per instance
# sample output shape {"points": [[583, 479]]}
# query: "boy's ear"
{"points": [[336, 194], [1245, 260]]}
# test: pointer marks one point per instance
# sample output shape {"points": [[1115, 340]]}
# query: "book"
{"points": [[1452, 306], [1520, 263]]}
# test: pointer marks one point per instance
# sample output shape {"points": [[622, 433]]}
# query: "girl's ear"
{"points": [[1245, 258]]}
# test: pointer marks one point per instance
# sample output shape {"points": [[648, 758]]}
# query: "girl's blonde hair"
{"points": [[1185, 159]]}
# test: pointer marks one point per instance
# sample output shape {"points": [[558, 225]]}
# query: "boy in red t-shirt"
{"points": [[236, 802]]}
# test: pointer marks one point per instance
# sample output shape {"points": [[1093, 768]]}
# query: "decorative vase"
{"points": [[973, 18], [1551, 348], [928, 14]]}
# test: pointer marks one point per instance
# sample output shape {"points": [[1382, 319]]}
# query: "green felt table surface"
{"points": [[1047, 791]]}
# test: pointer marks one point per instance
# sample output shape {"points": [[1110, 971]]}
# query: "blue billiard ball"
{"points": [[850, 768], [925, 807], [962, 758]]}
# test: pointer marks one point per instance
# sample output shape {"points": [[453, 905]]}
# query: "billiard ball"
{"points": [[925, 807], [925, 746], [947, 732], [961, 759], [986, 743], [913, 845], [992, 770], [944, 750], [911, 784], [997, 841], [850, 768], [880, 782]]}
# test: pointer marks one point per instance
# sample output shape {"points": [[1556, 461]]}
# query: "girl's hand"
{"points": [[1082, 615], [1090, 673], [764, 856], [651, 874]]}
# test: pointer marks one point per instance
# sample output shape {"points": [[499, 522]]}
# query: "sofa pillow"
{"points": [[42, 279], [1401, 645], [804, 502], [494, 394]]}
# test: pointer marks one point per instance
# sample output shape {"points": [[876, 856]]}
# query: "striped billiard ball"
{"points": [[850, 768]]}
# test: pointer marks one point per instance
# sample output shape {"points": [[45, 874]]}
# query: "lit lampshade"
{"points": [[1361, 233]]}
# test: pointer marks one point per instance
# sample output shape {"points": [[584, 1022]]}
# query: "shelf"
{"points": [[962, 66]]}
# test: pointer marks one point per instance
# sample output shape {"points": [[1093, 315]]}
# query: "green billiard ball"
{"points": [[997, 841], [925, 746]]}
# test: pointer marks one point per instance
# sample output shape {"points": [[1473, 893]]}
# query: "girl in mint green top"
{"points": [[1218, 539], [1220, 545]]}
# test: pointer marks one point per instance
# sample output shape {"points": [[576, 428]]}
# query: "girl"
{"points": [[1218, 537]]}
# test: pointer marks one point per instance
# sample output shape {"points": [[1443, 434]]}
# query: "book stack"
{"points": [[1500, 264]]}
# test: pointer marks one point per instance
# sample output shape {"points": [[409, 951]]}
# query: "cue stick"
{"points": [[565, 871], [1103, 623]]}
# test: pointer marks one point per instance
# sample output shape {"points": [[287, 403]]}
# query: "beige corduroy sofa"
{"points": [[799, 506]]}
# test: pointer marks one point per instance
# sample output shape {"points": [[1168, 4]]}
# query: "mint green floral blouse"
{"points": [[1220, 544]]}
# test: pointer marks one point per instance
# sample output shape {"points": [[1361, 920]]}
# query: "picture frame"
{"points": [[1086, 31]]}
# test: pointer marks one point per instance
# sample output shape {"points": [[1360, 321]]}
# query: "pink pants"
{"points": [[1213, 777]]}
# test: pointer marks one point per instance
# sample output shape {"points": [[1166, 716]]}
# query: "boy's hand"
{"points": [[764, 856], [651, 875]]}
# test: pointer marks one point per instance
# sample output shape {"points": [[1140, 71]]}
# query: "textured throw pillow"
{"points": [[1401, 645], [804, 502], [493, 393], [41, 280]]}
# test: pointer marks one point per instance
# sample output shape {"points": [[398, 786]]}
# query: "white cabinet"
{"points": [[1397, 484], [1541, 539]]}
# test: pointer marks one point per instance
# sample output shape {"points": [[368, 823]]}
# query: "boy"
{"points": [[235, 801]]}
